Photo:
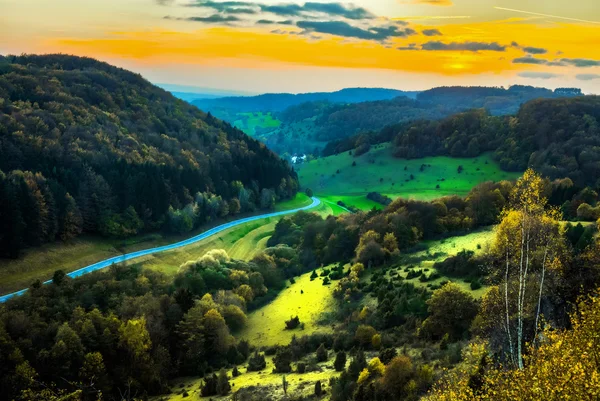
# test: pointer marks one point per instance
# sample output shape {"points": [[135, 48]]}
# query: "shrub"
{"points": [[301, 367], [322, 353], [340, 361], [292, 323], [475, 284], [283, 360], [318, 389], [257, 362], [364, 334], [387, 354]]}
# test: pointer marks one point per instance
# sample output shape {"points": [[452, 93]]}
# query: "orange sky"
{"points": [[320, 47]]}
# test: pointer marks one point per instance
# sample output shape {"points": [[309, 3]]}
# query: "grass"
{"points": [[266, 326], [40, 263], [379, 171], [249, 122], [439, 250], [299, 385]]}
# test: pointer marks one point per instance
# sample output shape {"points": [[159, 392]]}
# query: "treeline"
{"points": [[557, 137], [87, 147], [124, 333]]}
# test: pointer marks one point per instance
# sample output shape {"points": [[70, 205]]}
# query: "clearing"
{"points": [[305, 298], [334, 178]]}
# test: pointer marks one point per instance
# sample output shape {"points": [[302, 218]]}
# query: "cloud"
{"points": [[534, 50], [581, 62], [271, 22], [538, 75], [587, 77], [529, 60], [214, 19], [431, 32], [341, 28], [529, 49], [464, 46], [338, 9], [574, 62], [412, 46]]}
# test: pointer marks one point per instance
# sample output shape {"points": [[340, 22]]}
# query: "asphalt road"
{"points": [[129, 256]]}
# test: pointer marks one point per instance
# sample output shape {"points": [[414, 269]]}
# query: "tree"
{"points": [[528, 240], [223, 386], [309, 192], [257, 362], [451, 311], [318, 388], [340, 361], [322, 354], [70, 222], [364, 334], [283, 360], [397, 376], [369, 250]]}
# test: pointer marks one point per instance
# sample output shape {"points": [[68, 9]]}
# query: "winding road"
{"points": [[129, 256]]}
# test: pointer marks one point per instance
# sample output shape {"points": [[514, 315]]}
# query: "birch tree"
{"points": [[528, 240]]}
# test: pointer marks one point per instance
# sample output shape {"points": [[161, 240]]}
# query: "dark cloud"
{"points": [[215, 18], [464, 46], [338, 9], [340, 28], [574, 62], [271, 22], [587, 77], [534, 50], [289, 9], [538, 75], [581, 62], [530, 49], [431, 32], [529, 60]]}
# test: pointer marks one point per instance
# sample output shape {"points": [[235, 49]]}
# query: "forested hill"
{"points": [[275, 102], [88, 147]]}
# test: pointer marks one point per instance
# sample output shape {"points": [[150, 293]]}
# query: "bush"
{"points": [[257, 362], [364, 334], [318, 389], [475, 284], [301, 367], [292, 323], [322, 353], [283, 360], [387, 354]]}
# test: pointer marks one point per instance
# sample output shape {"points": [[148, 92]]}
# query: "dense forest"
{"points": [[558, 137], [91, 148]]}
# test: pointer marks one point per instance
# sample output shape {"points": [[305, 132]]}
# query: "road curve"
{"points": [[129, 256]]}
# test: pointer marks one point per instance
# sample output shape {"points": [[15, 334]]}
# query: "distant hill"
{"points": [[191, 93], [274, 102], [90, 148], [306, 127]]}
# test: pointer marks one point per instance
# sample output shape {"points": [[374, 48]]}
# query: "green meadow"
{"points": [[334, 178], [305, 298], [249, 122]]}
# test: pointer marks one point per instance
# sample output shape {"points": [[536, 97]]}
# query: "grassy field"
{"points": [[379, 171], [305, 298], [437, 251], [40, 263], [269, 382], [249, 122]]}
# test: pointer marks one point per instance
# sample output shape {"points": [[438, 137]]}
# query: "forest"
{"points": [[91, 148], [557, 137], [125, 333]]}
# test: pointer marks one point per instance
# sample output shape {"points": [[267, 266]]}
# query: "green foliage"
{"points": [[282, 361], [109, 153], [340, 361]]}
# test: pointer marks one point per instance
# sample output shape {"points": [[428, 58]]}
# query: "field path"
{"points": [[133, 255]]}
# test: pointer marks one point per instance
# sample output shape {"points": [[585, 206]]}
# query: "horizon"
{"points": [[274, 46]]}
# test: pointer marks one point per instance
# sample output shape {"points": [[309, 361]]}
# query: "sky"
{"points": [[287, 46]]}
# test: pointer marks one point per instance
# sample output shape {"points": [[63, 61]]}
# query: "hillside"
{"points": [[297, 124], [90, 148], [280, 101]]}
